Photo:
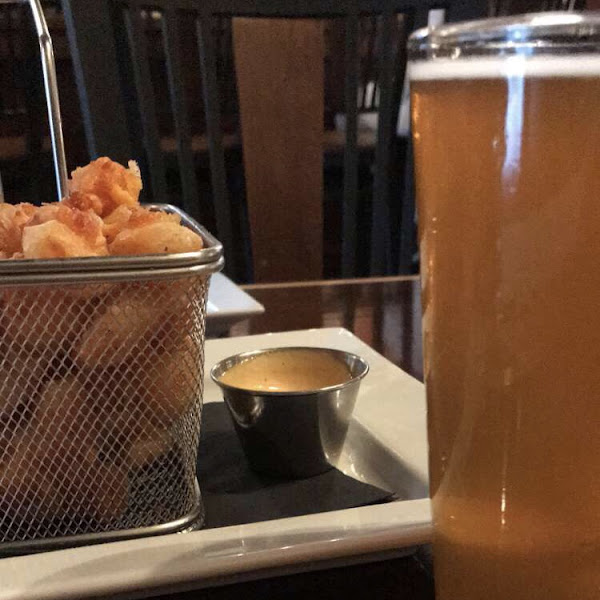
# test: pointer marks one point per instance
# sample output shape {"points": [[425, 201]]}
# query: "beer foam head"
{"points": [[519, 65]]}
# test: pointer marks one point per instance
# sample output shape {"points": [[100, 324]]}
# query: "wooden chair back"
{"points": [[279, 68]]}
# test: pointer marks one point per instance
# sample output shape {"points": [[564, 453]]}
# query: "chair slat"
{"points": [[154, 167], [350, 211], [369, 63], [180, 113], [381, 252], [215, 139], [281, 114], [94, 57]]}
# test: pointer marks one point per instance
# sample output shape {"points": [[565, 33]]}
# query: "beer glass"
{"points": [[506, 129]]}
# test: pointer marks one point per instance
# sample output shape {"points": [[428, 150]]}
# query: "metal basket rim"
{"points": [[192, 520], [211, 255]]}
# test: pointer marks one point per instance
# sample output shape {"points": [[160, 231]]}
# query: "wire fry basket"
{"points": [[101, 382]]}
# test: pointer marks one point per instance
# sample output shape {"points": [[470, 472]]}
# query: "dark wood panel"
{"points": [[279, 68]]}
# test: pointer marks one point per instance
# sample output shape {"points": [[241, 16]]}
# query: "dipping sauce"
{"points": [[296, 370]]}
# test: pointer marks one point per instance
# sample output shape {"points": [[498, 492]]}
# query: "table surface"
{"points": [[383, 312], [386, 314]]}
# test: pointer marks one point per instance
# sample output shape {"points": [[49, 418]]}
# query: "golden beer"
{"points": [[507, 154]]}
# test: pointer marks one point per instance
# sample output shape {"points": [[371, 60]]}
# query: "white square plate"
{"points": [[386, 445], [228, 304]]}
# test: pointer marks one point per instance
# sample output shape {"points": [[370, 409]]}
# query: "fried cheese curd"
{"points": [[59, 231], [109, 366], [61, 439], [101, 215], [104, 185], [12, 220]]}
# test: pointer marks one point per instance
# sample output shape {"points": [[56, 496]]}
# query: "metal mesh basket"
{"points": [[101, 375]]}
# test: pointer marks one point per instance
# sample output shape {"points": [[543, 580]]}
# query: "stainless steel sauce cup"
{"points": [[292, 434]]}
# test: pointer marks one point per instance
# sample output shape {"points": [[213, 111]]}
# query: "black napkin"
{"points": [[233, 494]]}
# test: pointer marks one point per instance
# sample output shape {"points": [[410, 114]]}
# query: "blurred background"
{"points": [[25, 157]]}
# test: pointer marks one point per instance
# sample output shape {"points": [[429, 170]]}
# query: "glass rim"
{"points": [[533, 33]]}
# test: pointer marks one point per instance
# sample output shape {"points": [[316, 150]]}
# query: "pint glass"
{"points": [[506, 129]]}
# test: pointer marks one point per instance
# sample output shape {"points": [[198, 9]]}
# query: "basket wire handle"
{"points": [[52, 100], [51, 89]]}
